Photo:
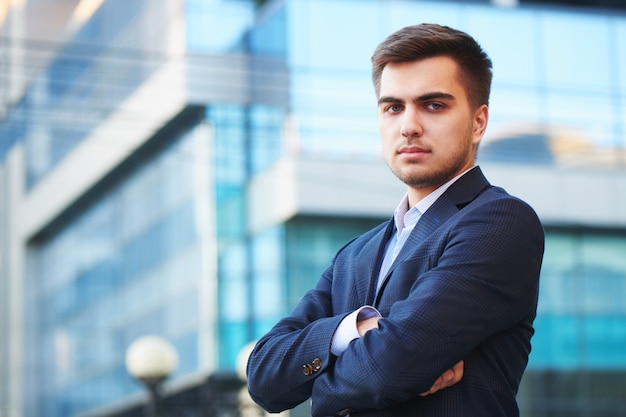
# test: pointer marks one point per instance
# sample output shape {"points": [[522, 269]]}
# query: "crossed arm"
{"points": [[447, 379], [488, 269], [275, 380]]}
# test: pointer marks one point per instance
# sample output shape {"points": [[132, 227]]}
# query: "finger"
{"points": [[434, 388], [447, 378], [451, 376], [457, 370], [458, 367]]}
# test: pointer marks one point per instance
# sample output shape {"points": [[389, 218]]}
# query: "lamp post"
{"points": [[247, 407], [151, 359]]}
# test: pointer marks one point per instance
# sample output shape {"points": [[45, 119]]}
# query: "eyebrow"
{"points": [[424, 97]]}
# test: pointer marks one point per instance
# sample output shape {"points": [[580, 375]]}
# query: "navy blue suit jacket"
{"points": [[464, 286]]}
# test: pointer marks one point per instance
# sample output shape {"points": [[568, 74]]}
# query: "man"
{"points": [[429, 314]]}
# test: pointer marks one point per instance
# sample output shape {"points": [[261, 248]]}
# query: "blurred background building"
{"points": [[188, 168]]}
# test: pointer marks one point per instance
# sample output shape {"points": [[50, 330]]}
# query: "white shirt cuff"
{"points": [[347, 331]]}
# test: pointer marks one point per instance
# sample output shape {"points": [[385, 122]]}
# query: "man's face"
{"points": [[428, 129]]}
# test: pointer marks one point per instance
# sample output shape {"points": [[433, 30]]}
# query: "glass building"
{"points": [[188, 168]]}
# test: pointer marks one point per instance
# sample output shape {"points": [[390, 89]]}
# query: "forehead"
{"points": [[437, 74]]}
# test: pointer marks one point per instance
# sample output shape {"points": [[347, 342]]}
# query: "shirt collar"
{"points": [[405, 217]]}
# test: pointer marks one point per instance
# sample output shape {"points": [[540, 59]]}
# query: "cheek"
{"points": [[452, 132]]}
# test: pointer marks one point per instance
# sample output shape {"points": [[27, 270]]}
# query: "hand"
{"points": [[364, 326], [447, 379]]}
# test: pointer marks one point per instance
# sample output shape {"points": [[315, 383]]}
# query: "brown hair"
{"points": [[414, 43]]}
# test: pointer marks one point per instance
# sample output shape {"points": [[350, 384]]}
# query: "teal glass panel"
{"points": [[231, 168], [311, 244], [605, 338], [267, 268], [233, 279], [233, 335], [267, 137], [581, 321], [556, 343], [579, 342]]}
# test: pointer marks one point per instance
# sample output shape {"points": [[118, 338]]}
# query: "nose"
{"points": [[411, 126]]}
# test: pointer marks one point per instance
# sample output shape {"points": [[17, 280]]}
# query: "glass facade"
{"points": [[541, 86], [582, 319], [86, 81], [130, 257], [578, 362], [127, 264], [246, 142]]}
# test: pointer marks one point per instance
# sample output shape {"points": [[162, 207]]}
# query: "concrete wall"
{"points": [[594, 197]]}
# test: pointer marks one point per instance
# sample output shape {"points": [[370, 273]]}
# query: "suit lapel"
{"points": [[463, 191], [368, 267]]}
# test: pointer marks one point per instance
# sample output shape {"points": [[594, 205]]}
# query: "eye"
{"points": [[434, 106], [394, 108]]}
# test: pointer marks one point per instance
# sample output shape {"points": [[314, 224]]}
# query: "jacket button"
{"points": [[316, 364], [307, 369]]}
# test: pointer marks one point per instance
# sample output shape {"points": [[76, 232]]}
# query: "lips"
{"points": [[413, 150]]}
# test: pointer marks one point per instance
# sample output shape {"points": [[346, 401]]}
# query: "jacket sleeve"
{"points": [[285, 361], [481, 279]]}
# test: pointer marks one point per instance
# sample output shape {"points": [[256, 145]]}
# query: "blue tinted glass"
{"points": [[187, 348], [229, 123], [590, 118], [82, 85], [336, 114], [514, 106], [215, 26], [98, 284], [511, 41], [330, 34], [14, 127], [576, 51], [233, 282], [619, 52], [269, 36], [268, 286], [266, 136], [400, 14]]}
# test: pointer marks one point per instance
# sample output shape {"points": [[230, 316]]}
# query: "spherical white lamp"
{"points": [[242, 360], [151, 359]]}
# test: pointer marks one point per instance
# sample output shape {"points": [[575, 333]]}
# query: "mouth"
{"points": [[413, 151]]}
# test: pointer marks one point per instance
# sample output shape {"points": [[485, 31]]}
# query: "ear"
{"points": [[481, 117]]}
